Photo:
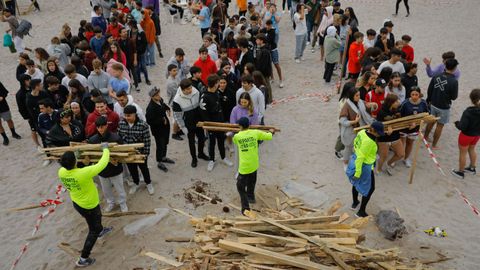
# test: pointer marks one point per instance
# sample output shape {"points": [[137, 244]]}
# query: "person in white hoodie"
{"points": [[123, 100], [59, 50], [99, 79], [258, 99], [326, 21]]}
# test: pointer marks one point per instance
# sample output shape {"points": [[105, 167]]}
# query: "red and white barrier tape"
{"points": [[53, 203], [432, 155], [467, 201], [323, 96]]}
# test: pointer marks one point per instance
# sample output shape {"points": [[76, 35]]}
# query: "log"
{"points": [[269, 255], [418, 143], [163, 259], [69, 249], [178, 239], [218, 124], [291, 221], [129, 213], [33, 206]]}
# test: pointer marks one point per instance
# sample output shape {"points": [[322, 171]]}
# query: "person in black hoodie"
{"points": [[65, 130], [211, 110], [246, 55], [21, 98], [263, 58], [469, 126], [442, 90], [156, 115], [112, 175], [6, 116], [22, 65], [57, 92], [226, 90], [32, 98]]}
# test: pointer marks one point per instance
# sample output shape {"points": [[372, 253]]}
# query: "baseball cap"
{"points": [[244, 122], [381, 82], [378, 127]]}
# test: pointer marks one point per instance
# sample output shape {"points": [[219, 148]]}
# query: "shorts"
{"points": [[321, 40], [444, 114], [6, 116], [411, 136], [465, 140], [32, 124], [275, 57]]}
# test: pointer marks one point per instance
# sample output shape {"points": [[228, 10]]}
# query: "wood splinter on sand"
{"points": [[129, 213]]}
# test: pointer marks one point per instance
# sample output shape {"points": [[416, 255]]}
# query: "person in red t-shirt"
{"points": [[377, 96], [206, 64], [355, 54], [407, 49], [114, 28]]}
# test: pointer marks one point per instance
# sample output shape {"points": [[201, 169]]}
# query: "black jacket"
{"points": [[20, 71], [198, 84], [59, 97], [247, 58], [263, 61], [110, 170], [227, 101], [57, 137], [21, 98], [156, 115], [469, 124], [442, 90], [3, 103], [32, 104], [210, 107], [270, 34], [140, 43]]}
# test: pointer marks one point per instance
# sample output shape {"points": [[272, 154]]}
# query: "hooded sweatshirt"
{"points": [[186, 109], [119, 109], [21, 98], [100, 82], [442, 90], [112, 122], [148, 26], [208, 67], [469, 124], [327, 20], [332, 45], [258, 100]]}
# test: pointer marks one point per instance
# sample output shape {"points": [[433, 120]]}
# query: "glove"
{"points": [[104, 145]]}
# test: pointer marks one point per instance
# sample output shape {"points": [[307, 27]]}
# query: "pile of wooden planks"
{"points": [[226, 127], [86, 153], [405, 122], [304, 240]]}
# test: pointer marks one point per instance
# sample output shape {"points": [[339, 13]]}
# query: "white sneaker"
{"points": [[109, 208], [308, 43], [123, 207], [407, 162], [297, 61], [150, 189], [281, 85], [129, 182], [302, 59], [227, 162], [210, 165], [46, 163], [133, 189], [313, 50], [182, 22]]}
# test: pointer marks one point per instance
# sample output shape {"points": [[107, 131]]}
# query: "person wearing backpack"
{"points": [[19, 30]]}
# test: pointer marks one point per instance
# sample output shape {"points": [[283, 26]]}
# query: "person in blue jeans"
{"points": [[204, 18], [141, 44]]}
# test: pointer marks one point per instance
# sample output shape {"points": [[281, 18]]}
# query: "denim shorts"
{"points": [[444, 114], [275, 57]]}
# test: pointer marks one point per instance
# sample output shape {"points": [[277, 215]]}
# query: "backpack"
{"points": [[24, 28]]}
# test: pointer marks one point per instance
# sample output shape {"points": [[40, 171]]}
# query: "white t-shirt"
{"points": [[397, 67], [301, 25], [79, 77]]}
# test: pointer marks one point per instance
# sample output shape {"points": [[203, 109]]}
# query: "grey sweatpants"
{"points": [[300, 45], [117, 183]]}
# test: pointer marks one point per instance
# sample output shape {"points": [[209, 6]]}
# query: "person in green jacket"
{"points": [[84, 195], [332, 45], [360, 168], [247, 143]]}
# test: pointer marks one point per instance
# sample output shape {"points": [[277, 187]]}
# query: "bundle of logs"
{"points": [[405, 122], [226, 127], [87, 153], [283, 239]]}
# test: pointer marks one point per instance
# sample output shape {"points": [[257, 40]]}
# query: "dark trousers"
{"points": [[133, 169], [365, 200], [132, 71], [398, 5], [191, 141], [246, 188], [94, 221], [242, 13], [161, 151], [216, 136], [327, 75], [204, 31], [142, 67], [176, 9]]}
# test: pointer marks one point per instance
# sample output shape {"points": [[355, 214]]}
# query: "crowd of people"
{"points": [[78, 89]]}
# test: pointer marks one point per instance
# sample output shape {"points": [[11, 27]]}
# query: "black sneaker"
{"points": [[138, 89], [203, 156], [338, 155], [16, 136], [105, 231], [194, 163], [160, 54], [361, 214], [458, 174], [177, 137], [85, 262], [162, 167], [168, 160], [148, 82], [180, 133], [470, 170], [354, 205], [6, 141]]}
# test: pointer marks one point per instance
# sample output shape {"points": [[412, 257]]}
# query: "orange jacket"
{"points": [[355, 54], [242, 5], [148, 26]]}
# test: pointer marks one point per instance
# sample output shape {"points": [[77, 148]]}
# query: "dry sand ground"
{"points": [[302, 151]]}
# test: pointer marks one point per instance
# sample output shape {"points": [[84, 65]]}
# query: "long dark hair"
{"points": [[346, 88], [110, 54], [352, 15], [246, 95], [42, 53]]}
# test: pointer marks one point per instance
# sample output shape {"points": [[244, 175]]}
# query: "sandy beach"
{"points": [[302, 151]]}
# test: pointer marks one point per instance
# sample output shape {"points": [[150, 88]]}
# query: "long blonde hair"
{"points": [[246, 96]]}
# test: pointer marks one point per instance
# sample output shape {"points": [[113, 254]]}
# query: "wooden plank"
{"points": [[163, 259], [292, 221], [269, 255], [129, 213], [316, 241], [178, 239], [417, 149], [298, 227]]}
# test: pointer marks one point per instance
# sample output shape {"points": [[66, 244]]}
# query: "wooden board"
{"points": [[163, 259]]}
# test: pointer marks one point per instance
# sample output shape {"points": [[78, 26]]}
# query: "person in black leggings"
{"points": [[363, 205], [406, 6]]}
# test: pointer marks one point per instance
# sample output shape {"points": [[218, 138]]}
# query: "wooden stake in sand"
{"points": [[417, 148]]}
